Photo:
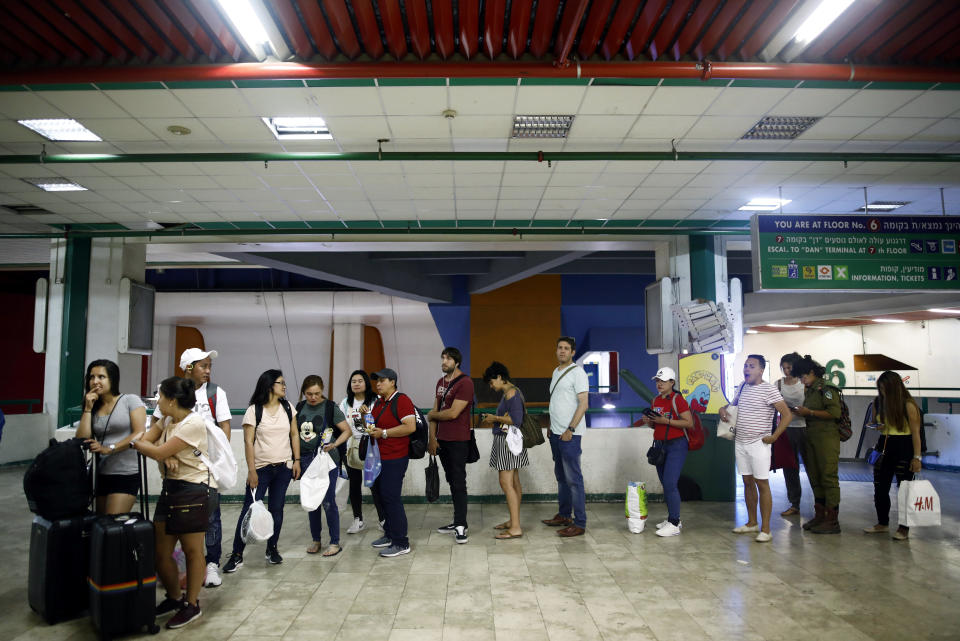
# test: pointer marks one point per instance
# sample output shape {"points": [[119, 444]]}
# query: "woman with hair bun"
{"points": [[110, 421], [899, 419], [821, 409], [182, 435], [792, 390]]}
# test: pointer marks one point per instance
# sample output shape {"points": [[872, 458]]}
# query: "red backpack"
{"points": [[696, 435]]}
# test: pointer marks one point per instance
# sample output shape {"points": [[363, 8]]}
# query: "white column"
{"points": [[51, 367], [347, 356]]}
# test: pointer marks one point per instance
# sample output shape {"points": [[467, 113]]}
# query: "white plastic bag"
{"points": [[257, 523], [636, 506], [219, 458], [727, 429], [514, 440], [315, 481], [918, 504]]}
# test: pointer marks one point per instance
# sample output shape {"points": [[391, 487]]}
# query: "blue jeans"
{"points": [[566, 467], [214, 536], [329, 505], [669, 473], [272, 480], [389, 486]]}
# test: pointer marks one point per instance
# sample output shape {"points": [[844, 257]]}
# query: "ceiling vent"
{"points": [[541, 126], [27, 210], [780, 127], [883, 205]]}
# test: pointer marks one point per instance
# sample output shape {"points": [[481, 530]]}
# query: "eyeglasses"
{"points": [[280, 383]]}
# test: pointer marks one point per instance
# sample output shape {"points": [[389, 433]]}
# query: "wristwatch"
{"points": [[384, 433], [112, 447], [918, 457]]}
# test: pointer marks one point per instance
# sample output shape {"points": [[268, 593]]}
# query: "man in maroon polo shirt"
{"points": [[450, 435]]}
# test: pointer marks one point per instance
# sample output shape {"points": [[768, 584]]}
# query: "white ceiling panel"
{"points": [[239, 129], [119, 129], [895, 128], [588, 127], [811, 102], [932, 104], [12, 131], [433, 127], [85, 104], [414, 101], [283, 101], [198, 132], [214, 103], [366, 127], [493, 126], [21, 105], [149, 103], [681, 101], [346, 101], [543, 100], [746, 101], [837, 128], [875, 102], [662, 127], [721, 127], [482, 101], [606, 100]]}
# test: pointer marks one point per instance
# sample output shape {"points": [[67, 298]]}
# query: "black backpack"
{"points": [[56, 484], [418, 440]]}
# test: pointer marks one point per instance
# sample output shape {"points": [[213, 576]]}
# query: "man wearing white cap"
{"points": [[212, 405]]}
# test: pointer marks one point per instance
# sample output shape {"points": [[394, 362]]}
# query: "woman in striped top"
{"points": [[757, 403]]}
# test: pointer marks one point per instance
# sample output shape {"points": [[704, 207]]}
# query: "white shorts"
{"points": [[753, 459]]}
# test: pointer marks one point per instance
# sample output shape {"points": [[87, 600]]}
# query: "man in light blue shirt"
{"points": [[568, 404]]}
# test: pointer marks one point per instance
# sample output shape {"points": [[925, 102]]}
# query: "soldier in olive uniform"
{"points": [[821, 409]]}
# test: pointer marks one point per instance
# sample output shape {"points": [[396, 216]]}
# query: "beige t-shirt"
{"points": [[272, 438], [192, 431]]}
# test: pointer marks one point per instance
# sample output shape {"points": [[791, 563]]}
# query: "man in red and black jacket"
{"points": [[395, 419], [450, 435]]}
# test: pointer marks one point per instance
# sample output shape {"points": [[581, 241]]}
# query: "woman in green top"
{"points": [[312, 415], [821, 409], [899, 419]]}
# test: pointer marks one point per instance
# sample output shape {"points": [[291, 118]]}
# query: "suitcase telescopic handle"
{"points": [[142, 472]]}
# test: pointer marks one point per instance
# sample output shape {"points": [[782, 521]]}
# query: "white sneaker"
{"points": [[212, 579], [357, 526], [746, 529], [380, 525], [667, 522], [668, 530], [763, 537]]}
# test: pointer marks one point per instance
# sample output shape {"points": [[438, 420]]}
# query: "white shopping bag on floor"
{"points": [[636, 506], [316, 481], [918, 504]]}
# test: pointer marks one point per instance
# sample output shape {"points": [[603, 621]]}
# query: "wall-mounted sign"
{"points": [[843, 253]]}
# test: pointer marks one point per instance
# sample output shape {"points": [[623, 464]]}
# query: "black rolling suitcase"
{"points": [[59, 562], [123, 578]]}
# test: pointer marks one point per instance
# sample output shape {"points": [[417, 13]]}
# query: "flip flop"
{"points": [[506, 535], [503, 526], [313, 548], [327, 552]]}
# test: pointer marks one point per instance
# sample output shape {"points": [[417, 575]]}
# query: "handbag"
{"points": [[473, 452], [188, 510], [353, 453], [530, 427], [432, 480], [875, 456], [728, 429], [657, 454]]}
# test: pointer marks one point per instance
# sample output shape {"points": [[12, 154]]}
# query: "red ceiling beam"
{"points": [[861, 31], [166, 26], [317, 28], [194, 30], [667, 31], [24, 52], [369, 29], [340, 24], [573, 12], [543, 24], [120, 31], [741, 29], [643, 28], [938, 48], [520, 11], [418, 22], [917, 31], [910, 11], [69, 29], [848, 20], [301, 71], [221, 33], [40, 31], [619, 26], [493, 19], [142, 29], [443, 27], [468, 13], [396, 35], [941, 29], [715, 32], [593, 28], [92, 28], [772, 23], [292, 28]]}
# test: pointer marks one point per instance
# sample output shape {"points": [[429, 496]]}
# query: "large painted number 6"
{"points": [[834, 374]]}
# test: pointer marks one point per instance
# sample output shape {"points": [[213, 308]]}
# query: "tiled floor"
{"points": [[705, 584]]}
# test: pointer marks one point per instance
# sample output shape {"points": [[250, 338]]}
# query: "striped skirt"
{"points": [[501, 458]]}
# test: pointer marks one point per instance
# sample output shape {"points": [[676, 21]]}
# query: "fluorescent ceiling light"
{"points": [[65, 129], [55, 184], [888, 320], [258, 31], [609, 406], [764, 204], [752, 331], [883, 205], [541, 126], [299, 128], [818, 327], [821, 18], [937, 310], [785, 326]]}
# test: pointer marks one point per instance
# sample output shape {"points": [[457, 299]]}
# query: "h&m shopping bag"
{"points": [[918, 504]]}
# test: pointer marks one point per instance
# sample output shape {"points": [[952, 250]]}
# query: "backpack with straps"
{"points": [[844, 424], [418, 439], [696, 435]]}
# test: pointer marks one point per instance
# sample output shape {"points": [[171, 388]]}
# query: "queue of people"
{"points": [[281, 441]]}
